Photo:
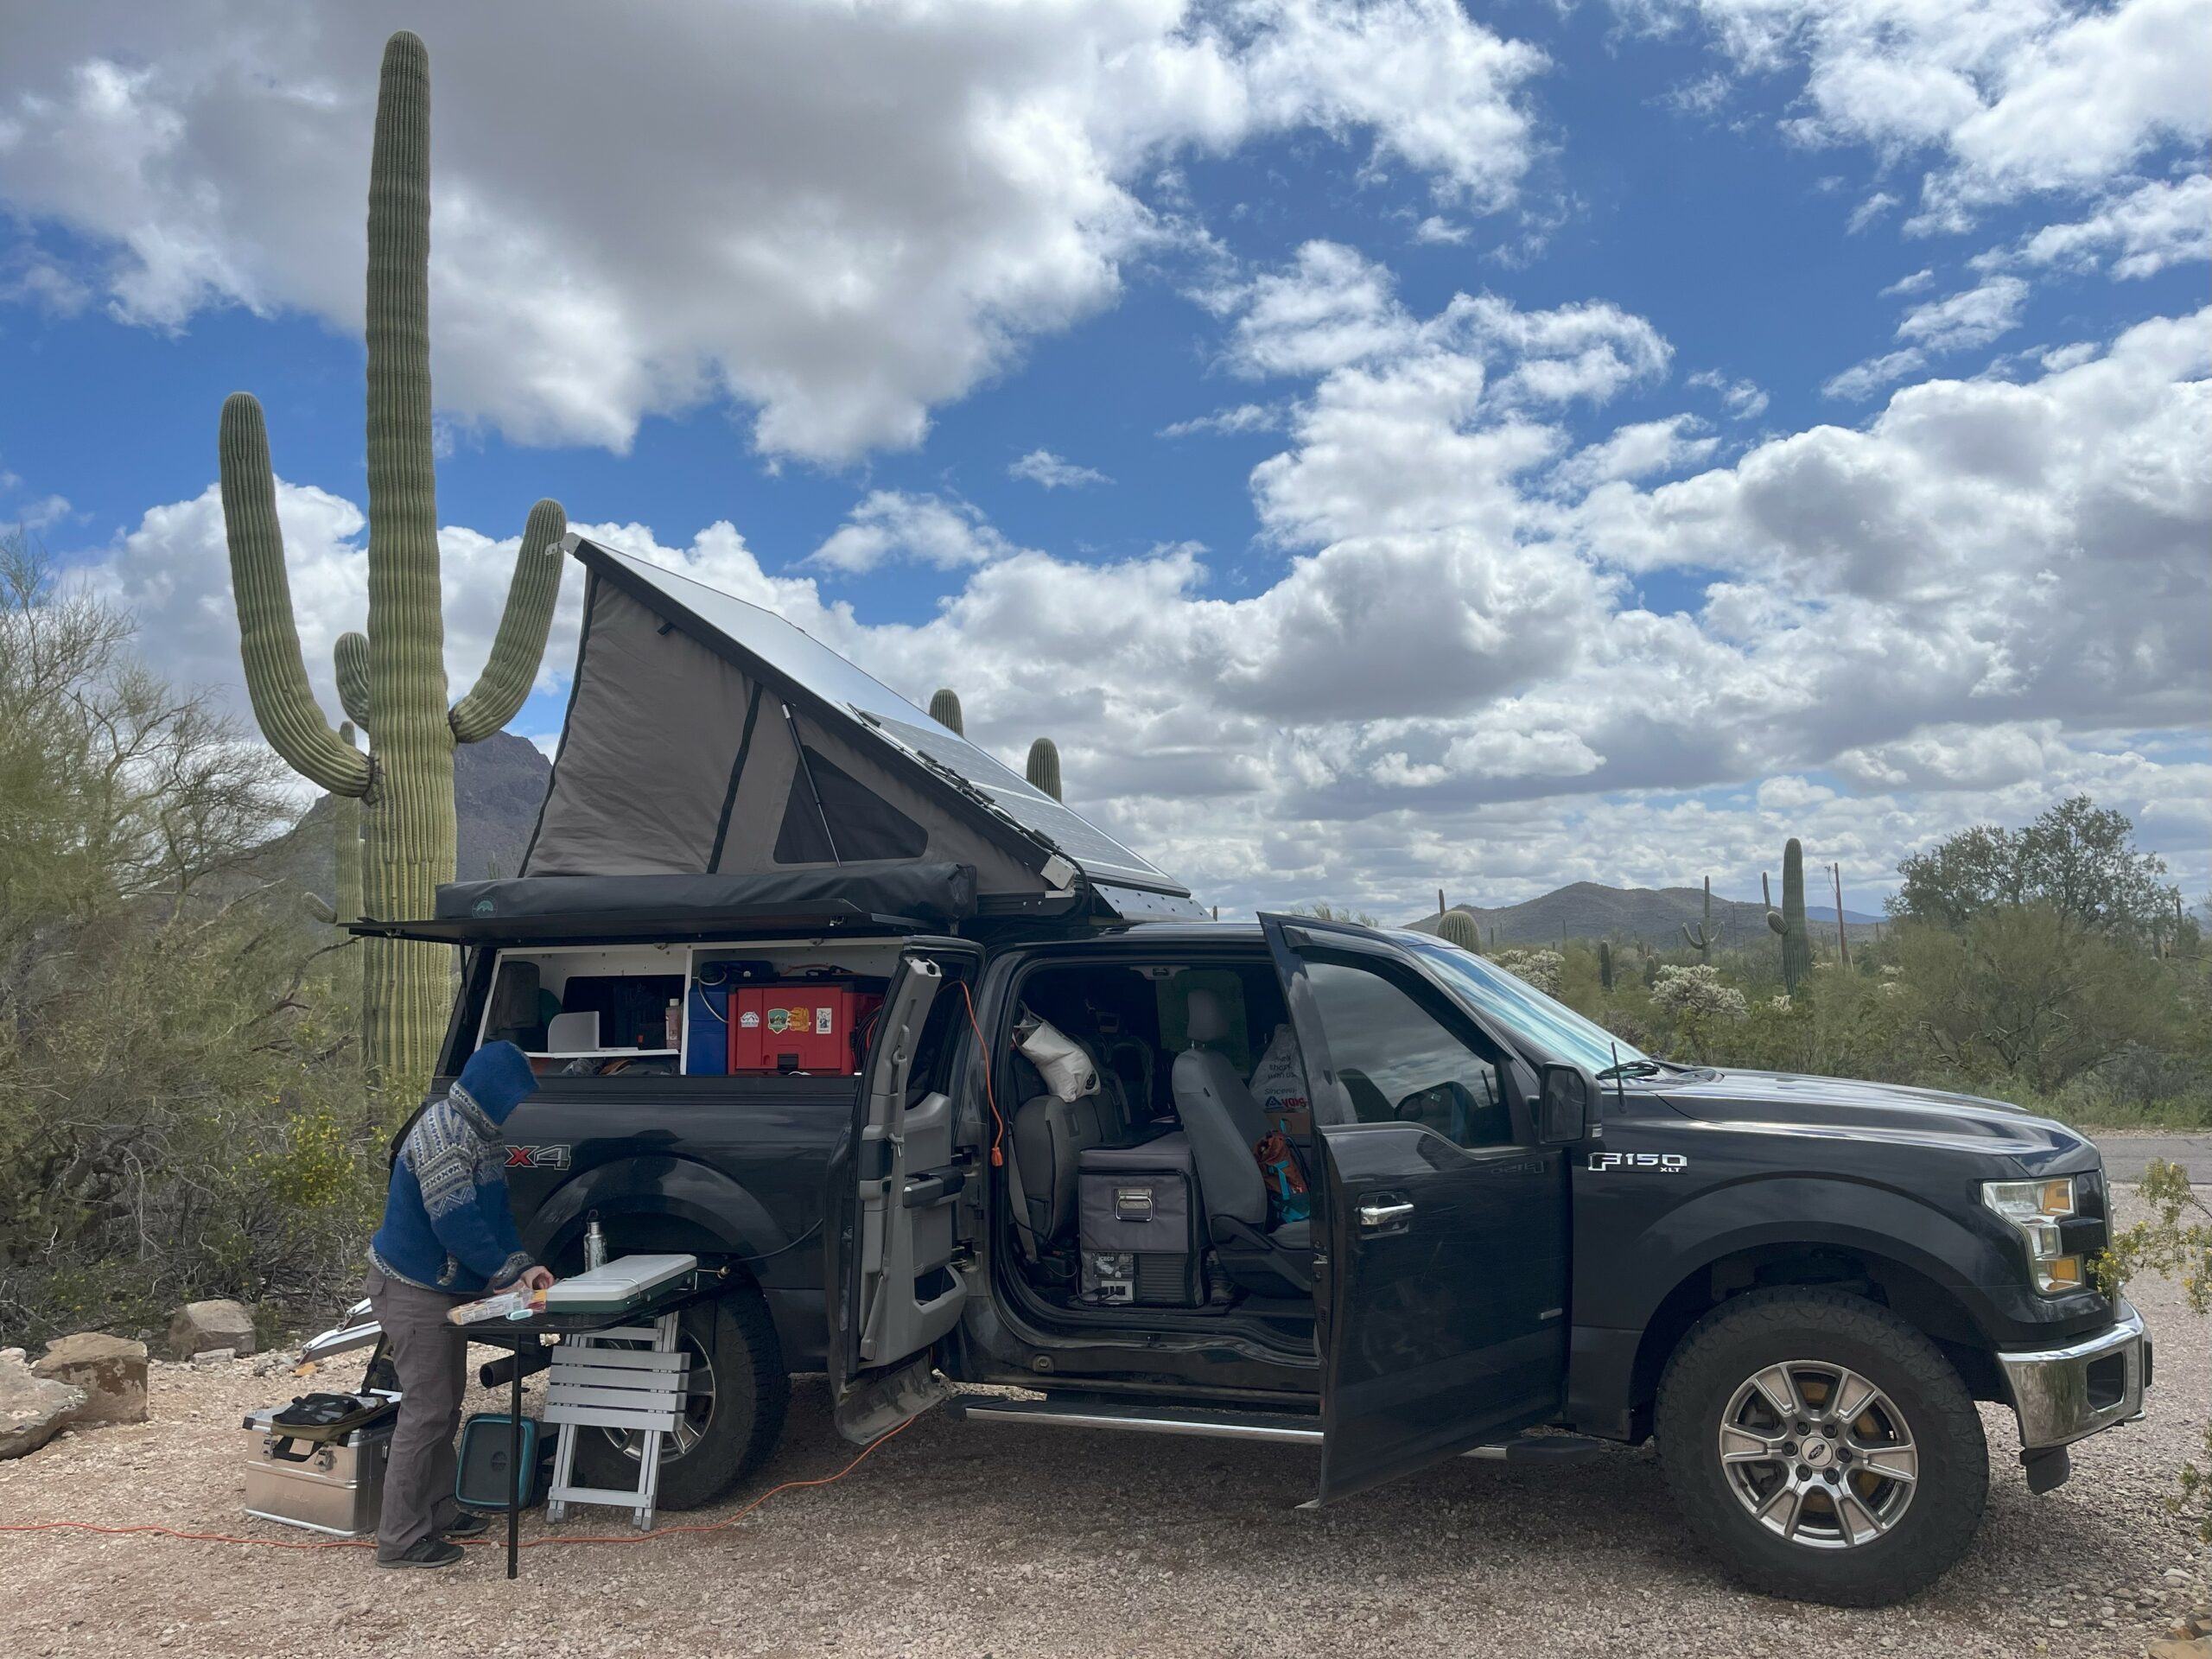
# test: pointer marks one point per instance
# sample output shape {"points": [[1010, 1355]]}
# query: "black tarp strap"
{"points": [[806, 773], [736, 772]]}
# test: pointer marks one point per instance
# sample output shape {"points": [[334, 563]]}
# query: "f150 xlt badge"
{"points": [[552, 1156], [1670, 1163]]}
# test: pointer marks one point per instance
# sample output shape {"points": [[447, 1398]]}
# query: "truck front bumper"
{"points": [[2062, 1394]]}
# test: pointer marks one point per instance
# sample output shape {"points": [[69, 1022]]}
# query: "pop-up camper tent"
{"points": [[718, 760]]}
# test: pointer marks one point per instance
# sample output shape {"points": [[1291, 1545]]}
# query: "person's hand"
{"points": [[534, 1279]]}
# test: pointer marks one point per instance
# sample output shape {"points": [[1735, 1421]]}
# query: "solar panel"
{"points": [[790, 652]]}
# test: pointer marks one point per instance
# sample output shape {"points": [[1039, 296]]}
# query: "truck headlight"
{"points": [[2036, 1208]]}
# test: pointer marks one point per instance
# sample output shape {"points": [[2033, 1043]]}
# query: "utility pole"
{"points": [[1842, 939]]}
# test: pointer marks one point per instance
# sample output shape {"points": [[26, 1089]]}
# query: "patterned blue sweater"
{"points": [[446, 1226]]}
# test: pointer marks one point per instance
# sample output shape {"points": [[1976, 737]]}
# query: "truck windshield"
{"points": [[1551, 1028]]}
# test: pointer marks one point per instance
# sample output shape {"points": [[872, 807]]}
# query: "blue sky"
{"points": [[1666, 428]]}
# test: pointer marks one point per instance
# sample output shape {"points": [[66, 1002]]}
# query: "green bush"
{"points": [[181, 1108]]}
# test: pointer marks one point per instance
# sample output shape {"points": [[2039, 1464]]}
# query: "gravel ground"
{"points": [[1008, 1540]]}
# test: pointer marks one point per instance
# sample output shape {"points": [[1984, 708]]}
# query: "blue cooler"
{"points": [[706, 1049], [483, 1479]]}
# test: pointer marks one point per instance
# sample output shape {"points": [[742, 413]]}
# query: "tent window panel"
{"points": [[864, 824]]}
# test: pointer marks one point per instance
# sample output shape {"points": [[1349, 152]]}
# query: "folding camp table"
{"points": [[643, 1320]]}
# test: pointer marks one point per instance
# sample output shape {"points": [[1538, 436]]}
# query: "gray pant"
{"points": [[430, 1353]]}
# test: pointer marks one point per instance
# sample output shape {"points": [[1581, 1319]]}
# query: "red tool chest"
{"points": [[799, 1026]]}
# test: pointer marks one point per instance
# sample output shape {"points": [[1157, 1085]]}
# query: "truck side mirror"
{"points": [[1567, 1103]]}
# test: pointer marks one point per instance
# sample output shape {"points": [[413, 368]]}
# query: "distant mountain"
{"points": [[1587, 910], [497, 786]]}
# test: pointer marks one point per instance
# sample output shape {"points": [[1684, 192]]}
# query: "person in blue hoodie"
{"points": [[448, 1237]]}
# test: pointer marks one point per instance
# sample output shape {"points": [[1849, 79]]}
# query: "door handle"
{"points": [[1375, 1214]]}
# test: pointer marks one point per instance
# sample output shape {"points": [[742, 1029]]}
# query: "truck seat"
{"points": [[1224, 1125], [1049, 1136]]}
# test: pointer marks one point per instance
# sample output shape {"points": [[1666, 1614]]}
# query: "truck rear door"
{"points": [[893, 1286], [1440, 1274]]}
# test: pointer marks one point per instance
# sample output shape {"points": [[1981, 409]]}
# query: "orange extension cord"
{"points": [[486, 1541], [998, 1133]]}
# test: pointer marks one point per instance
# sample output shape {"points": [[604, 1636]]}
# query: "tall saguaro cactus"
{"points": [[396, 674], [944, 708], [1045, 767], [1789, 920], [346, 846], [1700, 941]]}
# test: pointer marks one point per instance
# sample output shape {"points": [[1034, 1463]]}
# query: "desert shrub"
{"points": [[1697, 1006], [179, 1111]]}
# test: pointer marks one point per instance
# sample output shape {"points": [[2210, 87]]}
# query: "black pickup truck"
{"points": [[1299, 1181]]}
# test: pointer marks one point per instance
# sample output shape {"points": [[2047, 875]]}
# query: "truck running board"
{"points": [[1280, 1427]]}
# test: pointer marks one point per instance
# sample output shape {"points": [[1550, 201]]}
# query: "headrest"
{"points": [[1204, 1017]]}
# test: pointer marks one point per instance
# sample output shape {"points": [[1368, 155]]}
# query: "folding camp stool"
{"points": [[591, 1385]]}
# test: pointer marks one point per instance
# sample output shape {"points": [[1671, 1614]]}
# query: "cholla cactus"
{"points": [[944, 708], [1789, 920], [1697, 992], [396, 674], [1541, 969], [1045, 767], [1456, 927]]}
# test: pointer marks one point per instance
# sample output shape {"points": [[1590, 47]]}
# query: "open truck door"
{"points": [[1440, 1279], [891, 1223]]}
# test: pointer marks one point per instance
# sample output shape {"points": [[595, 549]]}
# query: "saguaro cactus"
{"points": [[1045, 767], [396, 674], [1458, 928], [1701, 940], [944, 708], [346, 844], [1604, 964], [1789, 920]]}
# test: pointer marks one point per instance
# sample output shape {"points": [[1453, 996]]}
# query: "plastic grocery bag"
{"points": [[1067, 1070], [1279, 1081]]}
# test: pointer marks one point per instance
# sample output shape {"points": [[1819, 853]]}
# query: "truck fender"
{"points": [[680, 1192], [1610, 1375]]}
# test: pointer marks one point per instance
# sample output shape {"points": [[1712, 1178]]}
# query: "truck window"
{"points": [[1401, 1064]]}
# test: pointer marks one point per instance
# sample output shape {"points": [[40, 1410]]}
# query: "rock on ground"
{"points": [[32, 1408], [111, 1370], [198, 1326]]}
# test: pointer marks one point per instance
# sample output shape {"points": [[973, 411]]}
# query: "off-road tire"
{"points": [[751, 1392], [1769, 1327]]}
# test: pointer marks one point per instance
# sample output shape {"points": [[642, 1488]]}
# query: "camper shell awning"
{"points": [[708, 737], [856, 898]]}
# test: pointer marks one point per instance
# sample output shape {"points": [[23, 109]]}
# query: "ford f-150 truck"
{"points": [[1299, 1181]]}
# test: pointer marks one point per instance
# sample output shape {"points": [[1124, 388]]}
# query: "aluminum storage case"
{"points": [[335, 1488], [1138, 1220]]}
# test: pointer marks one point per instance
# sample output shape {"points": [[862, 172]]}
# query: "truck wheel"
{"points": [[1821, 1448], [732, 1414]]}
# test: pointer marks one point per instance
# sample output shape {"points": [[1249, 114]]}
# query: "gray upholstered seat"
{"points": [[1049, 1135], [1224, 1124]]}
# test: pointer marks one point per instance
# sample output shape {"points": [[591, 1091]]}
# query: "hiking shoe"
{"points": [[424, 1551], [471, 1523]]}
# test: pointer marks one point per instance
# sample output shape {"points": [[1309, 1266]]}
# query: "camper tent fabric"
{"points": [[688, 750]]}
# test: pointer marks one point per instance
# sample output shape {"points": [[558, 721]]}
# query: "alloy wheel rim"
{"points": [[698, 1408], [1818, 1455]]}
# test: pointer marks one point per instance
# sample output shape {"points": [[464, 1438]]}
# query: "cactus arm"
{"points": [[1694, 936], [1043, 767], [519, 646], [351, 659], [268, 638], [944, 708]]}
